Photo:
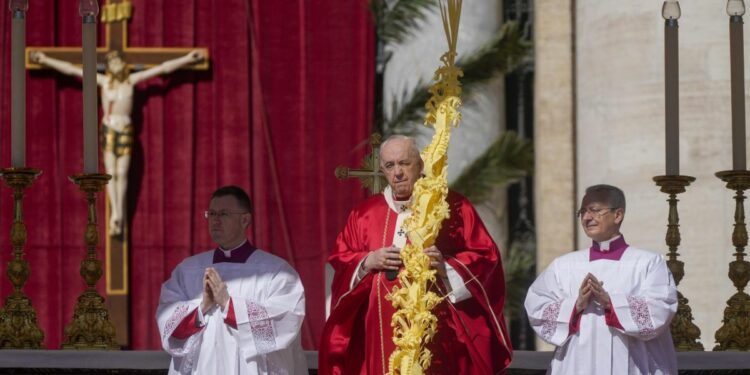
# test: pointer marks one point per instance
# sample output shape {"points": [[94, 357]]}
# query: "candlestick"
{"points": [[18, 9], [18, 323], [671, 13], [735, 10], [685, 334], [732, 335], [91, 327], [88, 10]]}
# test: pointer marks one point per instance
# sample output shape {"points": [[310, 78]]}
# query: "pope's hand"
{"points": [[386, 258], [437, 261]]}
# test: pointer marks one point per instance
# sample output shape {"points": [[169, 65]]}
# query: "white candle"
{"points": [[735, 10], [89, 10], [18, 83], [671, 13]]}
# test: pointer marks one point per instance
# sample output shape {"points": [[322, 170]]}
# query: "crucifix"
{"points": [[123, 67], [370, 174], [115, 15]]}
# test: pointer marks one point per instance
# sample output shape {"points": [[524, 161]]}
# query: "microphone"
{"points": [[391, 274]]}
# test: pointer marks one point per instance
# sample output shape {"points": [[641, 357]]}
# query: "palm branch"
{"points": [[499, 55], [507, 160], [518, 267], [398, 21]]}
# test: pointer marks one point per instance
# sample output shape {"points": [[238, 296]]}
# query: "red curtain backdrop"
{"points": [[287, 99]]}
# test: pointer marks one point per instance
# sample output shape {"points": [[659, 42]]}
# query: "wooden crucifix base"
{"points": [[117, 278]]}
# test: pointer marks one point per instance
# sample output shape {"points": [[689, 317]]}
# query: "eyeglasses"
{"points": [[221, 214], [594, 212]]}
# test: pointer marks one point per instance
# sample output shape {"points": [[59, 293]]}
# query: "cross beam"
{"points": [[115, 15], [370, 174]]}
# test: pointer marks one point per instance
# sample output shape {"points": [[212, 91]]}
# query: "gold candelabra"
{"points": [[733, 334], [18, 328], [685, 333], [91, 327]]}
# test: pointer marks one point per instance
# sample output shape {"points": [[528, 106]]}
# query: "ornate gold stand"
{"points": [[733, 334], [91, 327], [684, 333], [18, 328]]}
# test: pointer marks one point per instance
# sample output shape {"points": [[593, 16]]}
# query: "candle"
{"points": [[18, 83], [671, 13], [89, 9], [735, 10]]}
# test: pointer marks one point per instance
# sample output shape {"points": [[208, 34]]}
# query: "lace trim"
{"points": [[261, 327], [180, 312], [641, 315], [191, 352], [187, 355], [549, 318]]}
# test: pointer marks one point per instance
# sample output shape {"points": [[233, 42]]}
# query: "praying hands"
{"points": [[592, 288], [214, 291]]}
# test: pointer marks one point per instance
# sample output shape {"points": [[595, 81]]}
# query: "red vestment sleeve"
{"points": [[610, 317], [231, 319], [188, 326], [337, 347], [470, 250], [575, 322]]}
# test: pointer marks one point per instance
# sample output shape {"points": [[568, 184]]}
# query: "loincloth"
{"points": [[117, 142]]}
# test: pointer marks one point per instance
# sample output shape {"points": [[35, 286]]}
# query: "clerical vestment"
{"points": [[259, 331], [632, 337], [471, 336]]}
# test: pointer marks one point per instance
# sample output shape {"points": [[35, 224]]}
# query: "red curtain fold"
{"points": [[287, 99]]}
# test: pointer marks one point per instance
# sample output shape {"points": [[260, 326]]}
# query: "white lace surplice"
{"points": [[269, 306], [644, 297]]}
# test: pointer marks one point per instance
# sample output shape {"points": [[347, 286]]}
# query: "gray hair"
{"points": [[413, 148], [615, 197]]}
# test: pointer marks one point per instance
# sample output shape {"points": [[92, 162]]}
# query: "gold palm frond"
{"points": [[413, 324]]}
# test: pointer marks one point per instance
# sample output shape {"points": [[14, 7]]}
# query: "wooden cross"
{"points": [[115, 15], [370, 174]]}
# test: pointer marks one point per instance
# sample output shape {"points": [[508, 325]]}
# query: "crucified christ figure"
{"points": [[116, 86]]}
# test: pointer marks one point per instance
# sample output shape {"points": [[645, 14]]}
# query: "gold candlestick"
{"points": [[733, 334], [18, 328], [91, 327], [684, 333]]}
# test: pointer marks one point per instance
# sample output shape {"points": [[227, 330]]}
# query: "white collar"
{"points": [[604, 245], [229, 252], [397, 206]]}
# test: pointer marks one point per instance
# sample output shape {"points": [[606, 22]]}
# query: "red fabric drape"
{"points": [[287, 99]]}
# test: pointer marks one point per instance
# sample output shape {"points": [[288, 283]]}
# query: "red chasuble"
{"points": [[471, 337]]}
